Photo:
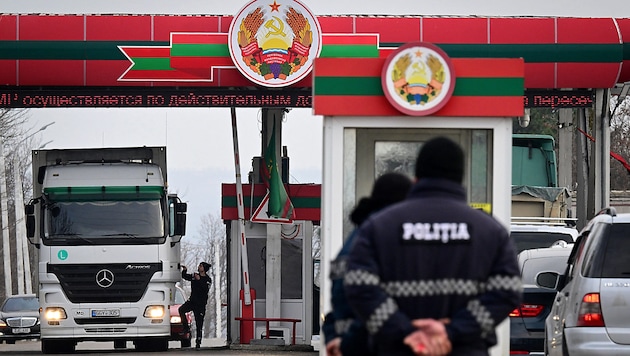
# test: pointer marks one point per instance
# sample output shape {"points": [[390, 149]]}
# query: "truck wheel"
{"points": [[58, 346], [142, 345], [161, 344], [152, 345]]}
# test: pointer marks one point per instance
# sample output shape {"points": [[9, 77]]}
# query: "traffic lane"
{"points": [[32, 347]]}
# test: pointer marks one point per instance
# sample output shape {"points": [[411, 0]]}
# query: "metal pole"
{"points": [[19, 232], [6, 247], [27, 268], [581, 211], [217, 292], [241, 212]]}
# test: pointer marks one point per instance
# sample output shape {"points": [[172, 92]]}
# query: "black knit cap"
{"points": [[441, 157], [388, 189], [206, 266]]}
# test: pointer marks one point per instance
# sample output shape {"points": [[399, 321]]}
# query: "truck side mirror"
{"points": [[29, 213], [180, 218], [177, 212]]}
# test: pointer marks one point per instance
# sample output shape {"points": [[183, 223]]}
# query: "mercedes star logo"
{"points": [[105, 278]]}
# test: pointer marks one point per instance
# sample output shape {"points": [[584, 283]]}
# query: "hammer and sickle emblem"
{"points": [[277, 30]]}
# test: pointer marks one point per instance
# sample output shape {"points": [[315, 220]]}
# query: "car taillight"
{"points": [[590, 313], [527, 310]]}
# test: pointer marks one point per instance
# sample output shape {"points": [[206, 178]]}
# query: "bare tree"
{"points": [[211, 247], [12, 123], [620, 143]]}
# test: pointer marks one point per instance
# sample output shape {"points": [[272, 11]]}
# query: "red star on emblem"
{"points": [[274, 6]]}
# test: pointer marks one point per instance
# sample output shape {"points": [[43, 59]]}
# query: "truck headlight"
{"points": [[55, 314], [154, 311]]}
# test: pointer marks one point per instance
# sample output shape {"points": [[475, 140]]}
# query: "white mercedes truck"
{"points": [[108, 236]]}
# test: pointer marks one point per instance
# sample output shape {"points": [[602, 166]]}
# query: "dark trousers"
{"points": [[199, 311]]}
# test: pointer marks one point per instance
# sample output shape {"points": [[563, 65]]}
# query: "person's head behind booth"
{"points": [[205, 266], [440, 157], [388, 189]]}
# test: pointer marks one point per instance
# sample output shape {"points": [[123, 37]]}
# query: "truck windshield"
{"points": [[105, 219]]}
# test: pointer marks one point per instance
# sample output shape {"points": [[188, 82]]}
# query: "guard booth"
{"points": [[378, 112], [278, 268]]}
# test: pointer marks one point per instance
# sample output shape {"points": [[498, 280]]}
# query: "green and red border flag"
{"points": [[190, 57], [279, 205]]}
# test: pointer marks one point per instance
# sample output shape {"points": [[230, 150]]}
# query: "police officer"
{"points": [[344, 334], [431, 275], [200, 285]]}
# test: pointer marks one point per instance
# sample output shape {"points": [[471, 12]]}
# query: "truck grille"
{"points": [[121, 282], [105, 330]]}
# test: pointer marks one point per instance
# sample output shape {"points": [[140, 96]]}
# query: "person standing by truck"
{"points": [[199, 285]]}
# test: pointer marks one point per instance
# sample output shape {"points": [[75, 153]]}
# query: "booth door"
{"points": [[370, 152]]}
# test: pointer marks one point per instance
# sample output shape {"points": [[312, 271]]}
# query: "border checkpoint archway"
{"points": [[184, 61]]}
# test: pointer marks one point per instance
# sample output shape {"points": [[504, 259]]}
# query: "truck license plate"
{"points": [[96, 313], [21, 330]]}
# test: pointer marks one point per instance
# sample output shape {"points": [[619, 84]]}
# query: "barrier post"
{"points": [[247, 311]]}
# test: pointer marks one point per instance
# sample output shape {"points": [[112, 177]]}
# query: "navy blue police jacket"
{"points": [[341, 321], [433, 256]]}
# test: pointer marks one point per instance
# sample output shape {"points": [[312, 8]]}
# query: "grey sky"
{"points": [[199, 141], [582, 8]]}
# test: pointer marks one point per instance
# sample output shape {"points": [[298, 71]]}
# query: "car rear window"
{"points": [[533, 266], [616, 261], [526, 240]]}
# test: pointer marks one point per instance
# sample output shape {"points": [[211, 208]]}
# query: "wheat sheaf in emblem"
{"points": [[275, 46], [418, 77]]}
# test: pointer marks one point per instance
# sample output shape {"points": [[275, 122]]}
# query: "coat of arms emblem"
{"points": [[418, 79], [274, 43]]}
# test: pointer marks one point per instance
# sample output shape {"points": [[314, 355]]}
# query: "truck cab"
{"points": [[108, 235]]}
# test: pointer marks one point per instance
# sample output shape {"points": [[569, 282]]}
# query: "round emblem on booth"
{"points": [[274, 43], [418, 79]]}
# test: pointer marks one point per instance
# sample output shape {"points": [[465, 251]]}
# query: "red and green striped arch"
{"points": [[85, 50]]}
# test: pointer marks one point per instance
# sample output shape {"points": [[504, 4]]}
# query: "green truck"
{"points": [[535, 190]]}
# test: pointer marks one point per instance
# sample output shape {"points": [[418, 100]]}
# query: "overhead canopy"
{"points": [[151, 50]]}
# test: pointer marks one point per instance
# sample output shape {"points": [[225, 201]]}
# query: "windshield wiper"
{"points": [[123, 234], [70, 237]]}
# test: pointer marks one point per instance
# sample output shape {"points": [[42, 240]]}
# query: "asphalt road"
{"points": [[209, 346]]}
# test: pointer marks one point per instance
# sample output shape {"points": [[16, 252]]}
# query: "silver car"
{"points": [[527, 322], [591, 312]]}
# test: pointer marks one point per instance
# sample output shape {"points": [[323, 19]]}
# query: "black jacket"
{"points": [[199, 288], [433, 256], [341, 321]]}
